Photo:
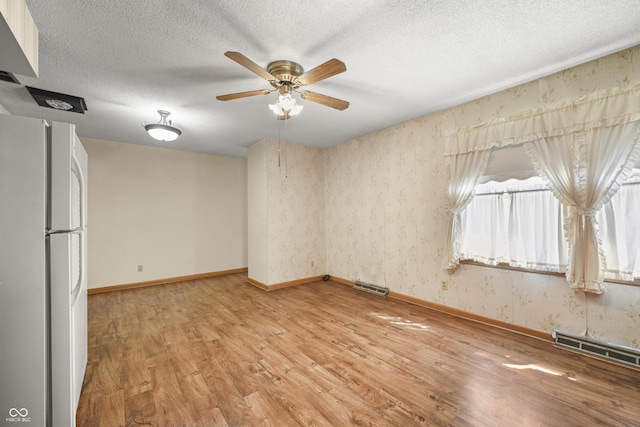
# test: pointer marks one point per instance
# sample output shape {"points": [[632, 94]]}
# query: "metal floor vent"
{"points": [[375, 289], [616, 353]]}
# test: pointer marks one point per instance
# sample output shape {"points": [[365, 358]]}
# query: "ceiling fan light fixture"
{"points": [[286, 105], [277, 110], [296, 110], [163, 130], [286, 102]]}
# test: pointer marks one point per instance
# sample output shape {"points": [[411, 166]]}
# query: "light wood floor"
{"points": [[220, 352]]}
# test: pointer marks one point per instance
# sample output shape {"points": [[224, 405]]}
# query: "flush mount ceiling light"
{"points": [[162, 131]]}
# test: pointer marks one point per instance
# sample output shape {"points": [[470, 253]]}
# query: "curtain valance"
{"points": [[598, 110]]}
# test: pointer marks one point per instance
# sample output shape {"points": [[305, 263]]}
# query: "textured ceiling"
{"points": [[404, 59]]}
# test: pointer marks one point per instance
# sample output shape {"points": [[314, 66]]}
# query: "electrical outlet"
{"points": [[140, 269], [444, 285], [313, 264]]}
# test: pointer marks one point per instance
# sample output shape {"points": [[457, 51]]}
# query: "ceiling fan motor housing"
{"points": [[285, 72]]}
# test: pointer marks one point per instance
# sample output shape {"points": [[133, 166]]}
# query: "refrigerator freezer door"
{"points": [[68, 205], [68, 324]]}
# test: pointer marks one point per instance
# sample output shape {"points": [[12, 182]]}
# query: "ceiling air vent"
{"points": [[6, 76], [58, 101]]}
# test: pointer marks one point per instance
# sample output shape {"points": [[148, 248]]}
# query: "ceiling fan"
{"points": [[287, 77]]}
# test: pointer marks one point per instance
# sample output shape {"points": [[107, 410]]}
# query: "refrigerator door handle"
{"points": [[77, 169], [76, 291]]}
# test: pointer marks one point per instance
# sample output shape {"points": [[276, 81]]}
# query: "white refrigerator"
{"points": [[43, 282]]}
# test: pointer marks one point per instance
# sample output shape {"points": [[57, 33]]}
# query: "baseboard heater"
{"points": [[613, 352], [369, 287]]}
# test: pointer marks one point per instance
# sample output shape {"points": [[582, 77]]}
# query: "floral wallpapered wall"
{"points": [[295, 212], [374, 209], [386, 216]]}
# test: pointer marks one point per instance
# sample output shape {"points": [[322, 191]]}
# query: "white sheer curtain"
{"points": [[583, 170], [484, 226], [620, 233], [535, 232], [465, 169]]}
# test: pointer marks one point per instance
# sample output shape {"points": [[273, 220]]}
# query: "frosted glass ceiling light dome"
{"points": [[163, 131]]}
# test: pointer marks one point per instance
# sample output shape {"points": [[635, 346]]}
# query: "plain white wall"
{"points": [[176, 213]]}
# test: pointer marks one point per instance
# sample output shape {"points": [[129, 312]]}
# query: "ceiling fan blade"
{"points": [[322, 71], [249, 64], [329, 101], [231, 96]]}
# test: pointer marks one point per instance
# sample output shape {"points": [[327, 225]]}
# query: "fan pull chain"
{"points": [[286, 157], [286, 174], [279, 143]]}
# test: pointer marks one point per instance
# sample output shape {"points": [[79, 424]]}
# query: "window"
{"points": [[620, 231], [520, 223], [581, 147], [516, 222]]}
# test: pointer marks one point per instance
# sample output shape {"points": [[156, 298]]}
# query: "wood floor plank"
{"points": [[214, 418], [220, 352], [231, 402], [107, 409], [141, 408], [268, 408]]}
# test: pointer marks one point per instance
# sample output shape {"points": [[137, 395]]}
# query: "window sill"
{"points": [[504, 266]]}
